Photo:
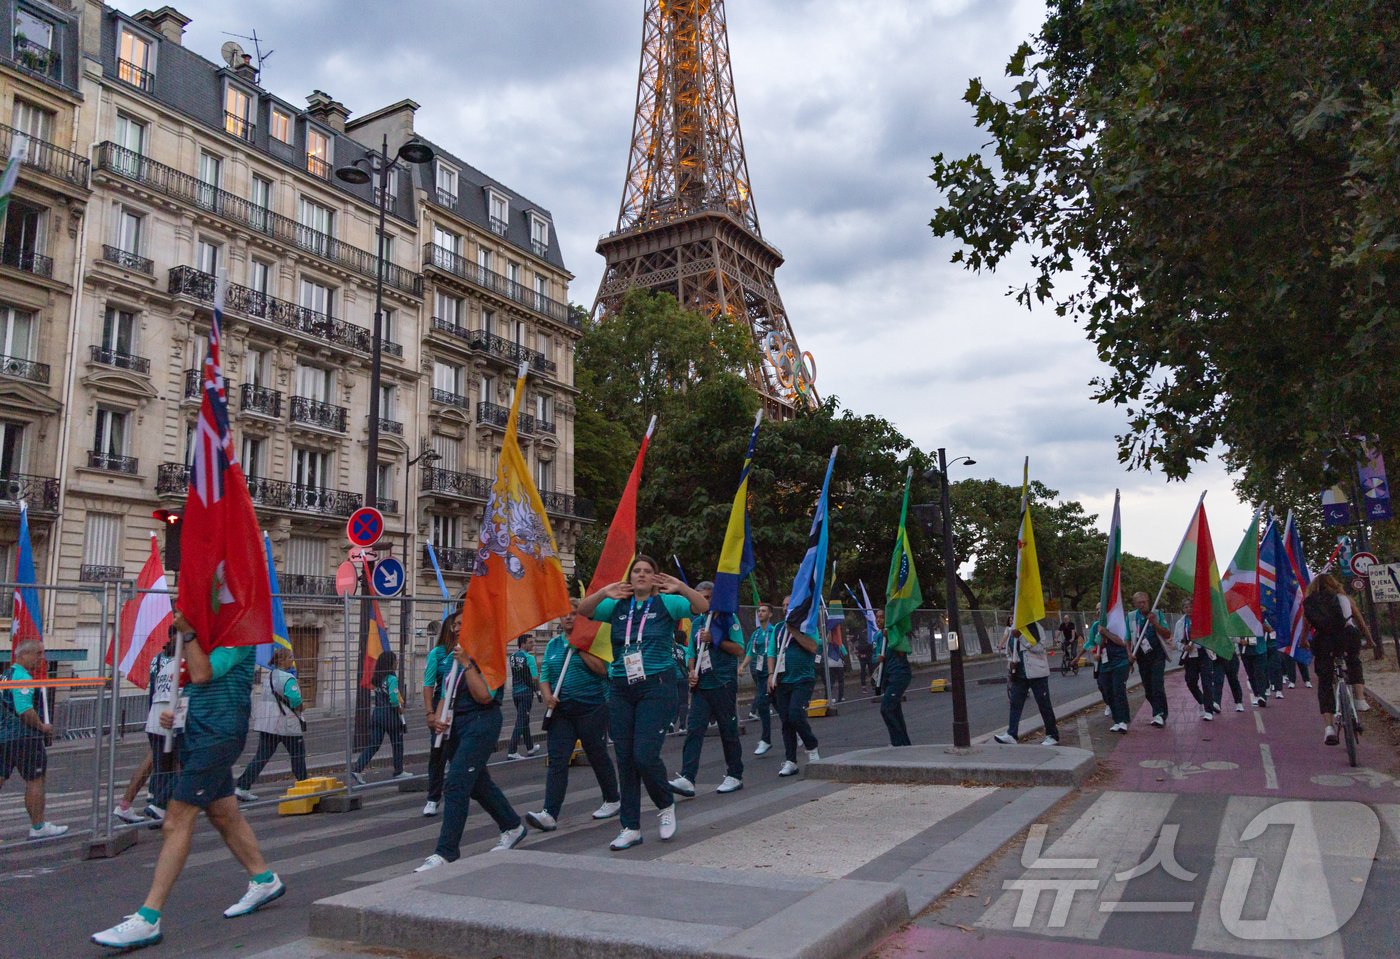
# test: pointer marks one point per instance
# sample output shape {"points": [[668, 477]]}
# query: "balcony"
{"points": [[300, 584], [40, 493], [187, 281], [566, 505], [128, 72], [130, 261], [452, 559], [194, 384], [181, 186], [470, 338], [393, 427], [452, 483], [544, 426], [317, 166], [111, 463], [499, 227], [172, 479], [100, 574], [492, 414], [446, 199], [309, 412], [260, 400], [444, 259], [44, 156], [122, 361], [446, 398], [540, 248], [513, 353], [302, 499], [38, 58], [392, 348], [386, 505], [24, 369], [18, 258], [239, 126]]}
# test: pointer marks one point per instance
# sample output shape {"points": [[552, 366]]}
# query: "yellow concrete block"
{"points": [[297, 807], [302, 797], [938, 686], [816, 709]]}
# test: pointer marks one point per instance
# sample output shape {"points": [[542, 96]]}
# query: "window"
{"points": [[260, 277], [130, 139], [35, 44], [306, 556], [262, 200], [207, 256], [319, 222], [130, 226], [483, 259], [499, 208], [445, 532], [255, 363], [11, 459], [447, 377], [238, 117], [317, 296], [135, 64], [541, 291], [388, 320], [544, 408], [109, 438], [544, 344], [252, 456], [447, 240], [544, 476], [539, 235], [16, 333], [487, 389], [32, 120], [384, 482], [448, 308], [210, 170], [281, 126], [519, 330], [488, 322], [119, 331], [513, 271], [102, 539], [392, 181], [449, 451], [446, 184], [315, 383], [310, 467], [388, 401], [318, 153]]}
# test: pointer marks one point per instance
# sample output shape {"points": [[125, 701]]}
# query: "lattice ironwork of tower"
{"points": [[688, 225]]}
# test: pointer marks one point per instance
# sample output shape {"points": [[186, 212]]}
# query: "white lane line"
{"points": [[1082, 723], [1259, 722], [1270, 773]]}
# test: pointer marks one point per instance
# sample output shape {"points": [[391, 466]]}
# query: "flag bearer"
{"points": [[756, 661], [713, 671], [435, 673], [277, 720], [892, 660], [792, 674]]}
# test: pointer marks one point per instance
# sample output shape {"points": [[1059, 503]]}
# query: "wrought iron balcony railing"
{"points": [[42, 155], [194, 384], [260, 399], [513, 353], [318, 167], [88, 573], [122, 361], [499, 227], [448, 398], [469, 337], [493, 414], [24, 369], [276, 494], [393, 427], [40, 493], [302, 584], [187, 281], [28, 261], [453, 483], [566, 505], [129, 72], [181, 186], [446, 199], [387, 505], [172, 479], [115, 254], [452, 559], [38, 58], [112, 463], [539, 247], [311, 412], [444, 259], [544, 426], [240, 127]]}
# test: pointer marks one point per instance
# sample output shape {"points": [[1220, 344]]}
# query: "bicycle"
{"points": [[1069, 660], [1346, 707]]}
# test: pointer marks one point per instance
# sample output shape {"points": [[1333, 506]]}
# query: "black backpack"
{"points": [[1324, 614]]}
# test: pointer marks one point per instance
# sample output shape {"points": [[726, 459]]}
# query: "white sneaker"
{"points": [[510, 839], [730, 785], [258, 895], [128, 814], [626, 840], [1279, 694], [668, 822], [762, 747], [404, 775], [1108, 711], [683, 787], [432, 862], [1118, 728], [1159, 720], [133, 932], [533, 749], [244, 795], [607, 810], [788, 768], [1239, 707], [542, 821], [46, 830], [813, 755], [359, 779], [1006, 739], [1207, 715], [430, 808], [1362, 706], [1330, 736], [1308, 684], [1049, 741], [515, 756]]}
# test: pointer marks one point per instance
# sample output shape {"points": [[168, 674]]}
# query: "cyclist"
{"points": [[1337, 631]]}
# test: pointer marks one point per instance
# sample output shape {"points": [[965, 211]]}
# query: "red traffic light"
{"points": [[167, 516]]}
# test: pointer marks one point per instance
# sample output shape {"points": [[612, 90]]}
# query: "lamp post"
{"points": [[962, 735]]}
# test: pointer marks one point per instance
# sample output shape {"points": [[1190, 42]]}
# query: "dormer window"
{"points": [[35, 44], [136, 60], [539, 235], [281, 128], [238, 113], [318, 153], [498, 208], [446, 184]]}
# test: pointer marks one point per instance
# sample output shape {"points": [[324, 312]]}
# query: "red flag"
{"points": [[223, 583], [146, 620], [616, 559]]}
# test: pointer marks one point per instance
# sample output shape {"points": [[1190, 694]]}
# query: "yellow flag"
{"points": [[1030, 598]]}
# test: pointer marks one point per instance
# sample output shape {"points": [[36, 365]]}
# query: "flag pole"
{"points": [[568, 658], [1177, 554], [175, 694]]}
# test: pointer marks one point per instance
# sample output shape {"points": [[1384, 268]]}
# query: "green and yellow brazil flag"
{"points": [[902, 593]]}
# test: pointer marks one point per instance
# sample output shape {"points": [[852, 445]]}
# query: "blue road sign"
{"points": [[365, 526], [388, 577]]}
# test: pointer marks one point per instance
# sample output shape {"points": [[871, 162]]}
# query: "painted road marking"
{"points": [[1270, 773], [1259, 722]]}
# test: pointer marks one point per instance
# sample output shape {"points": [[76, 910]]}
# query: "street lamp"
{"points": [[962, 735]]}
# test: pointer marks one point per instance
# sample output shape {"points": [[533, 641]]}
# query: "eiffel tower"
{"points": [[687, 225]]}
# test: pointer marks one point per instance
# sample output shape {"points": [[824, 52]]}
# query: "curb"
{"points": [[1384, 703], [1033, 724]]}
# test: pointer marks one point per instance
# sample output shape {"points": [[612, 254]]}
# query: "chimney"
{"points": [[330, 112], [168, 21], [245, 70]]}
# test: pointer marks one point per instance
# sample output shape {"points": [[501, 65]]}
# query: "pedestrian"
{"points": [[277, 720], [25, 737], [1204, 678], [1028, 671], [713, 675], [1114, 664], [1094, 649], [1254, 654], [756, 661], [1289, 669], [1277, 660], [215, 707], [644, 613], [1337, 631], [385, 719], [435, 673], [865, 657], [792, 675], [471, 731], [158, 765], [574, 686], [524, 687], [892, 661], [1151, 639], [834, 678], [681, 642], [1229, 669]]}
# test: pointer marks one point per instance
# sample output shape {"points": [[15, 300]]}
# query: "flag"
{"points": [[517, 583], [1297, 564], [280, 635], [18, 147], [869, 612], [803, 614], [1194, 571], [736, 556], [1241, 585], [376, 643], [146, 620], [447, 605], [902, 593], [1275, 603], [619, 549], [27, 620], [1111, 616], [224, 591], [1030, 597]]}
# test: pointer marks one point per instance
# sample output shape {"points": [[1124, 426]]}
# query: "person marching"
{"points": [[713, 674], [892, 660], [575, 687], [1113, 677], [1151, 647], [1093, 648], [756, 662], [24, 737], [644, 613], [277, 720], [1029, 672], [1204, 678], [682, 678], [435, 672], [524, 684], [158, 765], [385, 719], [1255, 653], [792, 674]]}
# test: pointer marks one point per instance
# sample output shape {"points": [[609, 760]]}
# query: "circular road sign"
{"points": [[388, 577], [1361, 563], [1358, 585], [346, 579], [365, 526]]}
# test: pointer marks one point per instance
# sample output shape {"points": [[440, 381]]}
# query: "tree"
{"points": [[1212, 188]]}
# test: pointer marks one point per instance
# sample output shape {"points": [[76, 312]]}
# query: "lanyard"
{"points": [[628, 640]]}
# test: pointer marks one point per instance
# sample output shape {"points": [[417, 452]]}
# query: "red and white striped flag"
{"points": [[146, 620]]}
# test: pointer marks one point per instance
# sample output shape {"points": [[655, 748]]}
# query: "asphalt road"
{"points": [[66, 900]]}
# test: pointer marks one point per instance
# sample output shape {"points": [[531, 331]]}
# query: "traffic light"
{"points": [[171, 519]]}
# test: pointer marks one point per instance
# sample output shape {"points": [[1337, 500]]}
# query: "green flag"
{"points": [[902, 593], [1194, 571]]}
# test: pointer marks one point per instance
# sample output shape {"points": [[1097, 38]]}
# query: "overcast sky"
{"points": [[842, 103]]}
